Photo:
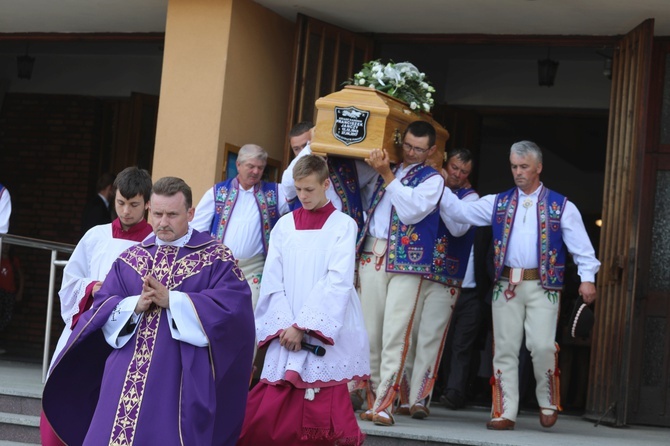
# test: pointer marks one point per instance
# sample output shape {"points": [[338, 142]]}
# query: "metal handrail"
{"points": [[55, 248]]}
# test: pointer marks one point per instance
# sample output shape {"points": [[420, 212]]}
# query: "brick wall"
{"points": [[49, 156]]}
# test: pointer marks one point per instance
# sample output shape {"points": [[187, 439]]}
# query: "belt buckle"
{"points": [[515, 275]]}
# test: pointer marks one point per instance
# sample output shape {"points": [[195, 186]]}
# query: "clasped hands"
{"points": [[153, 292]]}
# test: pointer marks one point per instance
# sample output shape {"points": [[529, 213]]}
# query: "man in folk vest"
{"points": [[532, 229], [397, 244], [439, 291], [351, 181], [240, 213]]}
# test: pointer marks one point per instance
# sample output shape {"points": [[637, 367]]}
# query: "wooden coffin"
{"points": [[355, 120]]}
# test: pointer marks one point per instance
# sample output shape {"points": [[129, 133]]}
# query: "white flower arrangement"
{"points": [[401, 80]]}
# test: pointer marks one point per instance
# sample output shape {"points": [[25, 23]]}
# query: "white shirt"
{"points": [[412, 204], [5, 211], [243, 231], [469, 279], [522, 244], [366, 181]]}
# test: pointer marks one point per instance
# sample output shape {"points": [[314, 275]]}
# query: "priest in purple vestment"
{"points": [[164, 355]]}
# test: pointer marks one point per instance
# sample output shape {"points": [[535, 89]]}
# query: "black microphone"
{"points": [[316, 349]]}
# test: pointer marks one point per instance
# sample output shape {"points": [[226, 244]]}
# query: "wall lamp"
{"points": [[546, 70], [607, 64], [24, 65]]}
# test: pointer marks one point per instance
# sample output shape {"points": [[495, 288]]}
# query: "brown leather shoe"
{"points": [[502, 424], [402, 410], [367, 415], [419, 411], [380, 420], [548, 420]]}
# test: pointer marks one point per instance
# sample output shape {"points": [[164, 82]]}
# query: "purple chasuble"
{"points": [[155, 389]]}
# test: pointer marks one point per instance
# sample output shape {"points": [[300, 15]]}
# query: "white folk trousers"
{"points": [[533, 311], [388, 301], [429, 332]]}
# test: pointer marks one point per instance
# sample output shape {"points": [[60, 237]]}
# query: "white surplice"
{"points": [[90, 262], [309, 282]]}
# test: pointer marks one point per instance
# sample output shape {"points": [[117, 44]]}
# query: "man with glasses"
{"points": [[397, 243]]}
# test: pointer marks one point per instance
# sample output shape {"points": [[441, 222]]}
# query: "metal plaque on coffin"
{"points": [[355, 120]]}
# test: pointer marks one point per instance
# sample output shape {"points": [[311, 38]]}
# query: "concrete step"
{"points": [[20, 404], [19, 417], [19, 428], [16, 443]]}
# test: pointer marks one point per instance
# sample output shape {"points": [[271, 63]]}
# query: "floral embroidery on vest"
{"points": [[551, 250], [505, 211], [451, 254], [225, 196], [344, 178], [409, 246]]}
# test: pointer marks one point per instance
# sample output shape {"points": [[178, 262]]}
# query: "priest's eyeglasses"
{"points": [[408, 147]]}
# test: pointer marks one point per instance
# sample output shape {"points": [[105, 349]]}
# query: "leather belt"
{"points": [[528, 274]]}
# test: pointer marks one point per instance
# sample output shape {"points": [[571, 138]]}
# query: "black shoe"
{"points": [[452, 400]]}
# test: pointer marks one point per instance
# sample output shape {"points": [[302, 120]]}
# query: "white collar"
{"points": [[180, 242], [533, 194]]}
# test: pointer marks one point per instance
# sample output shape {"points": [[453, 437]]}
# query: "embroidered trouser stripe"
{"points": [[534, 313], [433, 313], [388, 301]]}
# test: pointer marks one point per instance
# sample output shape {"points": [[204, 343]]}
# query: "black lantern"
{"points": [[24, 66], [546, 71]]}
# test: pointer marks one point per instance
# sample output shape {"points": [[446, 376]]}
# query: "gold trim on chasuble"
{"points": [[141, 260]]}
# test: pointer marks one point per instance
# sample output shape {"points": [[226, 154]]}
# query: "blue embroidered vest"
{"points": [[225, 196], [344, 181], [410, 247], [551, 249], [451, 254]]}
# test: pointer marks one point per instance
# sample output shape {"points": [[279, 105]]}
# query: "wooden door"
{"points": [[650, 365], [612, 337], [131, 131], [324, 57]]}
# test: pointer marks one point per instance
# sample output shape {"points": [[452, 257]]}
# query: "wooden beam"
{"points": [[82, 37], [496, 39]]}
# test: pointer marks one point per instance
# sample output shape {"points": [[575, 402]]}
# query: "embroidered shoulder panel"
{"points": [[172, 271]]}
